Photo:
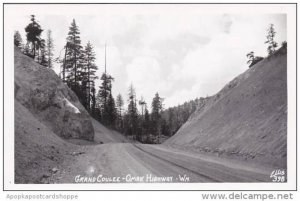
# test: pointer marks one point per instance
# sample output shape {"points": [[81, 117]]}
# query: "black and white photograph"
{"points": [[105, 95]]}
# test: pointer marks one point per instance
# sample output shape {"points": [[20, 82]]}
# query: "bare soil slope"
{"points": [[43, 93], [40, 154], [247, 118], [37, 149], [47, 116]]}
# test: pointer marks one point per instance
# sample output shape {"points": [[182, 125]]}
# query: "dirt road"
{"points": [[125, 162]]}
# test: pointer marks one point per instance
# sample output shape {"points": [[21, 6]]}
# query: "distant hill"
{"points": [[174, 117], [247, 118]]}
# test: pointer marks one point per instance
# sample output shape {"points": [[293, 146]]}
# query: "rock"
{"points": [[43, 93], [54, 170]]}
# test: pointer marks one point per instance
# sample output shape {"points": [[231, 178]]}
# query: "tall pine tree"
{"points": [[119, 105], [49, 49], [74, 56], [156, 115], [104, 96], [272, 44], [33, 33], [147, 122], [93, 99], [132, 113], [42, 58], [111, 111], [89, 73]]}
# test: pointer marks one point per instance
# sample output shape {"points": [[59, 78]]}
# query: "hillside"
{"points": [[174, 117], [247, 118], [43, 93], [50, 123], [37, 149]]}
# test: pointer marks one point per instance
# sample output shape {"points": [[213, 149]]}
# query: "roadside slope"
{"points": [[37, 149], [43, 93], [48, 116], [247, 118]]}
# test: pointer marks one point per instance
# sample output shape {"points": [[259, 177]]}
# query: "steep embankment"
{"points": [[45, 110], [247, 118], [50, 124], [38, 151], [41, 91]]}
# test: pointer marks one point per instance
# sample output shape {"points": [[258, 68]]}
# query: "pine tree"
{"points": [[42, 58], [156, 114], [89, 72], [93, 99], [74, 56], [171, 117], [147, 121], [33, 32], [98, 106], [142, 103], [272, 45], [104, 93], [119, 105], [253, 59], [18, 39], [132, 112], [111, 111], [26, 50], [250, 57], [64, 63], [165, 128], [49, 49]]}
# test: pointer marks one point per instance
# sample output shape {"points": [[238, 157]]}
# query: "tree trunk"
{"points": [[89, 87], [75, 60], [64, 65], [33, 50]]}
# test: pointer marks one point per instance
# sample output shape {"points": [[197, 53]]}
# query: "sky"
{"points": [[180, 52]]}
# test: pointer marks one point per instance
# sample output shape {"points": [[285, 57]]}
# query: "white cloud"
{"points": [[180, 52]]}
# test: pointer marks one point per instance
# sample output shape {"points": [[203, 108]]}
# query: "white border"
{"points": [[290, 10]]}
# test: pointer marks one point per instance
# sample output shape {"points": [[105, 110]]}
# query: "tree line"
{"points": [[132, 117], [78, 70], [175, 117]]}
